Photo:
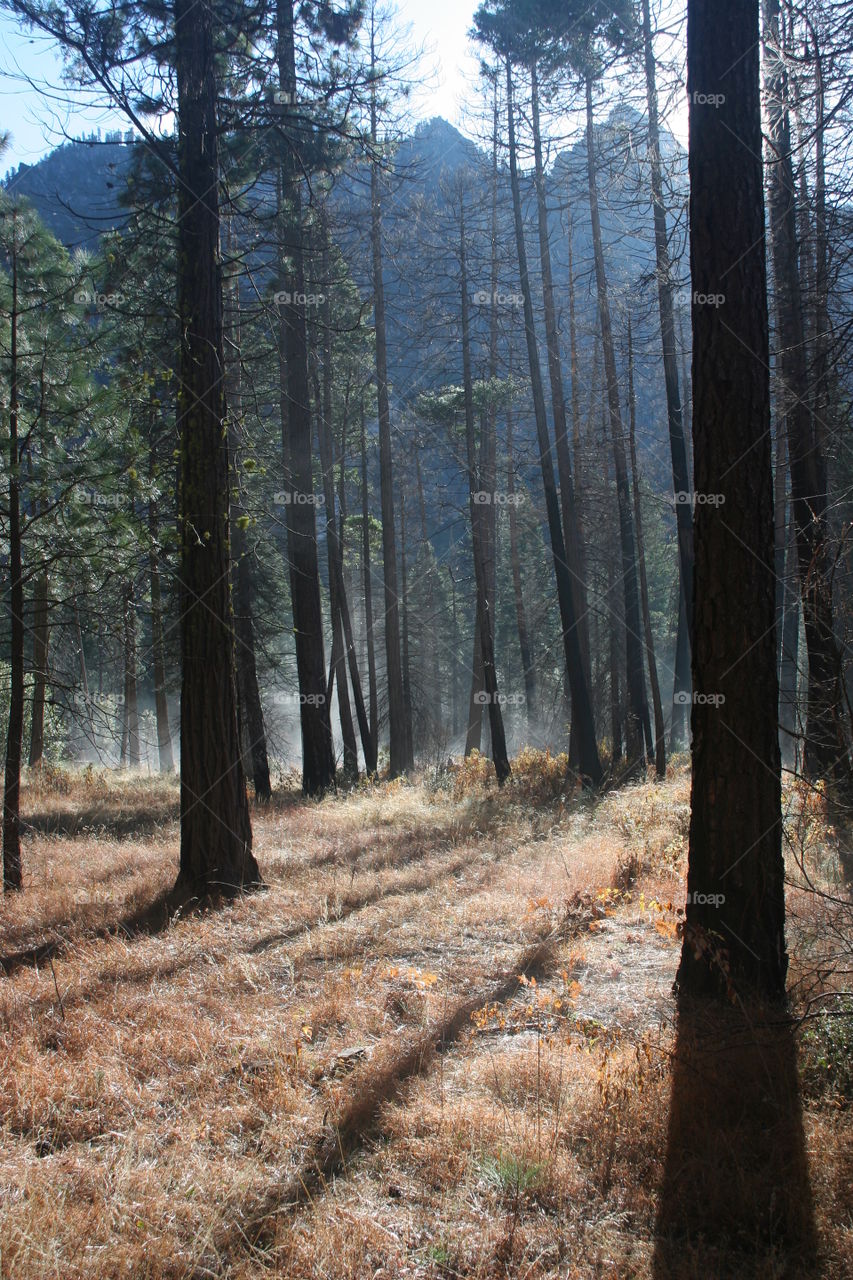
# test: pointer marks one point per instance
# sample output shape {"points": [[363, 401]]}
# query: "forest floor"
{"points": [[441, 1042]]}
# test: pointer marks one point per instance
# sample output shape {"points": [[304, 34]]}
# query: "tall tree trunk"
{"points": [[637, 710], [318, 762], [589, 763], [373, 694], [825, 747], [161, 705], [41, 639], [528, 667], [131, 702], [368, 742], [12, 877], [338, 659], [216, 832], [660, 733], [734, 933], [674, 415], [253, 729], [400, 760], [571, 525], [479, 536], [344, 641]]}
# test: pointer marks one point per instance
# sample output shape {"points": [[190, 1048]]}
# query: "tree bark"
{"points": [[216, 832], [318, 762], [734, 932], [588, 760]]}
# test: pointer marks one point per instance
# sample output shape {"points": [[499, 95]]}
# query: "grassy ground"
{"points": [[441, 1042]]}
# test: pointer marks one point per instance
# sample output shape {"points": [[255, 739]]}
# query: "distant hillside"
{"points": [[76, 189]]}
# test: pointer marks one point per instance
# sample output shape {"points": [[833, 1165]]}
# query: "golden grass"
{"points": [[181, 1103]]}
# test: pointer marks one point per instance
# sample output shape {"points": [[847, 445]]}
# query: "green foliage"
{"points": [[512, 1175], [826, 1055], [55, 728]]}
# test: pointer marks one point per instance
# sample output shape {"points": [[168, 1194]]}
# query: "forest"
{"points": [[425, 688]]}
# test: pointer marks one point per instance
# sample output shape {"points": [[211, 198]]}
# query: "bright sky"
{"points": [[37, 123]]}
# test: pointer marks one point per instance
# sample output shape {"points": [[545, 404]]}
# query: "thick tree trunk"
{"points": [[589, 763], [400, 760], [216, 832], [41, 639], [825, 747], [318, 763], [660, 733], [479, 536], [734, 932], [637, 709], [12, 877]]}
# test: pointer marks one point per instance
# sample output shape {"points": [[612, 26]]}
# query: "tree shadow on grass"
{"points": [[146, 921], [735, 1200], [102, 820]]}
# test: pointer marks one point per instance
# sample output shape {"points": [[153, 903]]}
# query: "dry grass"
{"points": [[185, 1102]]}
